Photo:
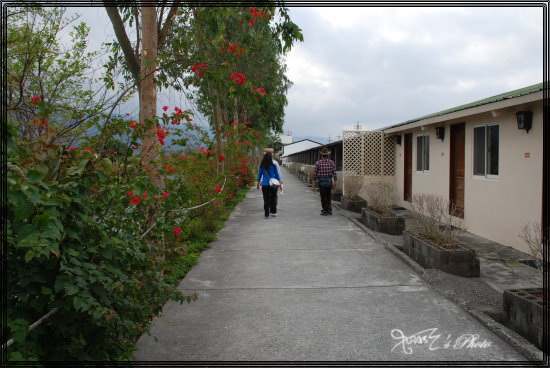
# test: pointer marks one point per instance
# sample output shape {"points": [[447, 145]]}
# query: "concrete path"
{"points": [[307, 287]]}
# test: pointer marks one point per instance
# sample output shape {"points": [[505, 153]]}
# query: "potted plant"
{"points": [[300, 171], [523, 308], [433, 239], [351, 200], [336, 194], [309, 171], [379, 216]]}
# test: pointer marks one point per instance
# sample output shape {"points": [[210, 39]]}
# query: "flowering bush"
{"points": [[99, 233], [90, 235]]}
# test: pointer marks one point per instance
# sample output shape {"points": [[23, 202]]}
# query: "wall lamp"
{"points": [[525, 120], [397, 139], [440, 133]]}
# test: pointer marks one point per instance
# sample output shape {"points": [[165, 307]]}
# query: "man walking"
{"points": [[325, 176]]}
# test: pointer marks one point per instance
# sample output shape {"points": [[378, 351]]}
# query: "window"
{"points": [[423, 153], [486, 150]]}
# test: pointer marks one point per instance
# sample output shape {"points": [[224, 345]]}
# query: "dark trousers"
{"points": [[326, 197], [270, 199]]}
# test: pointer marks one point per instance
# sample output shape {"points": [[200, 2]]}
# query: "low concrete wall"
{"points": [[459, 261]]}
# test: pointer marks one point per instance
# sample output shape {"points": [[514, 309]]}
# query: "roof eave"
{"points": [[466, 112]]}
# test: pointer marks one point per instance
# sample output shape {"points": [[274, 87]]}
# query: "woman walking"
{"points": [[268, 171]]}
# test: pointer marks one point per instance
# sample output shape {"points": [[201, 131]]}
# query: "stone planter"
{"points": [[354, 205], [458, 261], [392, 225], [336, 196], [523, 310]]}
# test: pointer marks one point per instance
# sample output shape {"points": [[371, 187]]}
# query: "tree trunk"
{"points": [[217, 116], [148, 93], [122, 37]]}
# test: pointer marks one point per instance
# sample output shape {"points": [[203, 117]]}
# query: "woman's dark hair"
{"points": [[267, 161]]}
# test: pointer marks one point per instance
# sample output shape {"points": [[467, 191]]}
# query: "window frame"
{"points": [[486, 175], [423, 169]]}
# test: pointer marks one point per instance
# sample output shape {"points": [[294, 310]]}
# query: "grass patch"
{"points": [[177, 267]]}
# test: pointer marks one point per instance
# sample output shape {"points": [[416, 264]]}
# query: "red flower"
{"points": [[252, 10], [221, 157], [135, 200], [218, 189], [35, 99], [233, 48], [200, 74], [88, 149], [164, 195], [238, 78], [261, 90], [129, 193], [230, 195], [171, 169], [176, 109], [144, 195], [72, 148], [251, 22], [165, 108], [203, 66], [177, 230]]}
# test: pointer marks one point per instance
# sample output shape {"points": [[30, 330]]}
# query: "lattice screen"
{"points": [[368, 154], [388, 162]]}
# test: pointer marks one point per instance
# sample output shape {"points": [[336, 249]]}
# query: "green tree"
{"points": [[56, 73], [249, 42]]}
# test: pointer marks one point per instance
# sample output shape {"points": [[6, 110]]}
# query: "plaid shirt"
{"points": [[325, 168]]}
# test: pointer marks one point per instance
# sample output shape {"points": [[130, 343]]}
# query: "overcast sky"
{"points": [[381, 66]]}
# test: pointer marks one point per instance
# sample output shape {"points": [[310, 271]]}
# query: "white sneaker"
{"points": [[267, 217], [274, 214]]}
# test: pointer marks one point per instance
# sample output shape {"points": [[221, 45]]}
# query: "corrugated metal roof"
{"points": [[503, 96]]}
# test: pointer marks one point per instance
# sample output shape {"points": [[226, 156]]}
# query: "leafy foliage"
{"points": [[89, 234], [39, 65]]}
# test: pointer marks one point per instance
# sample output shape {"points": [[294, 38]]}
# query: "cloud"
{"points": [[384, 65], [381, 66]]}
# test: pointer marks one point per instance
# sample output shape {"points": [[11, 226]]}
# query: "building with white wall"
{"points": [[479, 157], [285, 139], [298, 146]]}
